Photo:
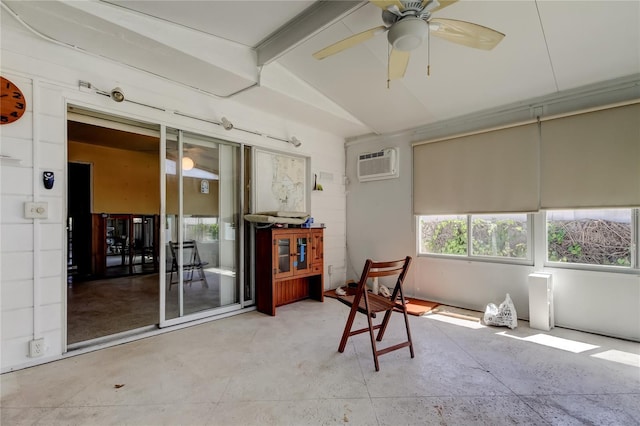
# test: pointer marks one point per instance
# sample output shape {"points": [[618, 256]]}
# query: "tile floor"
{"points": [[99, 308], [253, 369]]}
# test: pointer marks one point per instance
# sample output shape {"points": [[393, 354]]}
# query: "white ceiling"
{"points": [[244, 22], [550, 47]]}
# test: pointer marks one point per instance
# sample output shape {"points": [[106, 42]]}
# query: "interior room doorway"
{"points": [[113, 226], [79, 218]]}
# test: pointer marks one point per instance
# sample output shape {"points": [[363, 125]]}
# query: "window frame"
{"points": [[537, 255], [469, 256], [633, 269]]}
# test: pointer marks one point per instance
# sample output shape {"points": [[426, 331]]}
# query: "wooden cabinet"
{"points": [[289, 266]]}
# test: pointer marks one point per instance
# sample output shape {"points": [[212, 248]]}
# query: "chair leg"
{"points": [[203, 277], [383, 325], [373, 343], [347, 328], [406, 323]]}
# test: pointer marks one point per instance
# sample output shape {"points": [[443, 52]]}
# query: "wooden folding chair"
{"points": [[363, 301], [192, 263]]}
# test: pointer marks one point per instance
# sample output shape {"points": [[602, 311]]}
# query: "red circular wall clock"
{"points": [[12, 102]]}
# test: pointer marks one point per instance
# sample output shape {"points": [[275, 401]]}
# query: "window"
{"points": [[501, 236], [591, 237], [604, 239], [201, 228], [443, 235]]}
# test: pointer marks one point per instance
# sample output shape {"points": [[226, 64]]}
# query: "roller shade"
{"points": [[491, 172], [591, 159]]}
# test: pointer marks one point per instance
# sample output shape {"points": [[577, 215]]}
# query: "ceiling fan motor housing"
{"points": [[408, 33]]}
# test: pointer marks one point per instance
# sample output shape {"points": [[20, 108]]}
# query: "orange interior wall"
{"points": [[195, 203], [123, 181]]}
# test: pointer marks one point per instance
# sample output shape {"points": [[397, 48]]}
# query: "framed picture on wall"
{"points": [[281, 182]]}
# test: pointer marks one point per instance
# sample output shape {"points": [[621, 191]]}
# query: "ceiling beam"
{"points": [[312, 20]]}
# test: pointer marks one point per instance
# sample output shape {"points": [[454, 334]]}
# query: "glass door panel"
{"points": [[202, 217], [225, 274]]}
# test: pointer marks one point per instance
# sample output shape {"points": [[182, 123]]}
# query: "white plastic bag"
{"points": [[503, 315]]}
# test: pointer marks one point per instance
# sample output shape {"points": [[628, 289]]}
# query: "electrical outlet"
{"points": [[36, 348], [330, 269]]}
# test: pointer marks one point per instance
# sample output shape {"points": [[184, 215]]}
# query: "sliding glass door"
{"points": [[201, 230]]}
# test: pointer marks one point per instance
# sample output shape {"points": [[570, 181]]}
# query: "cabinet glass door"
{"points": [[302, 253], [284, 255], [282, 247]]}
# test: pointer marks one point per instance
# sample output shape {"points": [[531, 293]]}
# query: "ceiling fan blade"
{"points": [[384, 4], [443, 4], [398, 61], [465, 33], [348, 42]]}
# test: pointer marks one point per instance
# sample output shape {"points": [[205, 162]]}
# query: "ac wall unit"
{"points": [[378, 165]]}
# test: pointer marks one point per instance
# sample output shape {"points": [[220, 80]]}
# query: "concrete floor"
{"points": [[253, 369]]}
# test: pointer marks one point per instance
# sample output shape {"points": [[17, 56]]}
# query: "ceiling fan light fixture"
{"points": [[408, 33]]}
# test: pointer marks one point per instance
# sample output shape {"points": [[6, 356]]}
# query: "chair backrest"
{"points": [[190, 254], [374, 269]]}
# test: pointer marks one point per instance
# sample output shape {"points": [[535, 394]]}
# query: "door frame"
{"points": [[119, 122]]}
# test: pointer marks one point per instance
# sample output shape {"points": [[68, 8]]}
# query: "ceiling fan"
{"points": [[408, 24]]}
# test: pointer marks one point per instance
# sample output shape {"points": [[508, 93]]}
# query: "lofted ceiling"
{"points": [[260, 53]]}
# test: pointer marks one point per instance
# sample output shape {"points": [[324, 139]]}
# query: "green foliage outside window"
{"points": [[445, 237], [490, 237], [501, 237], [607, 240], [202, 232]]}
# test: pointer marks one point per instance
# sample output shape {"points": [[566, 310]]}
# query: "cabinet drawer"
{"points": [[317, 268]]}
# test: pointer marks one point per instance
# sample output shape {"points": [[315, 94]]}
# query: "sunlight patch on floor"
{"points": [[225, 272], [554, 342], [621, 357], [455, 321]]}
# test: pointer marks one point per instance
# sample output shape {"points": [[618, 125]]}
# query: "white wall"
{"points": [[381, 225], [33, 281], [379, 213]]}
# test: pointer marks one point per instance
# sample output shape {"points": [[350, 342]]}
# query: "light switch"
{"points": [[36, 210]]}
